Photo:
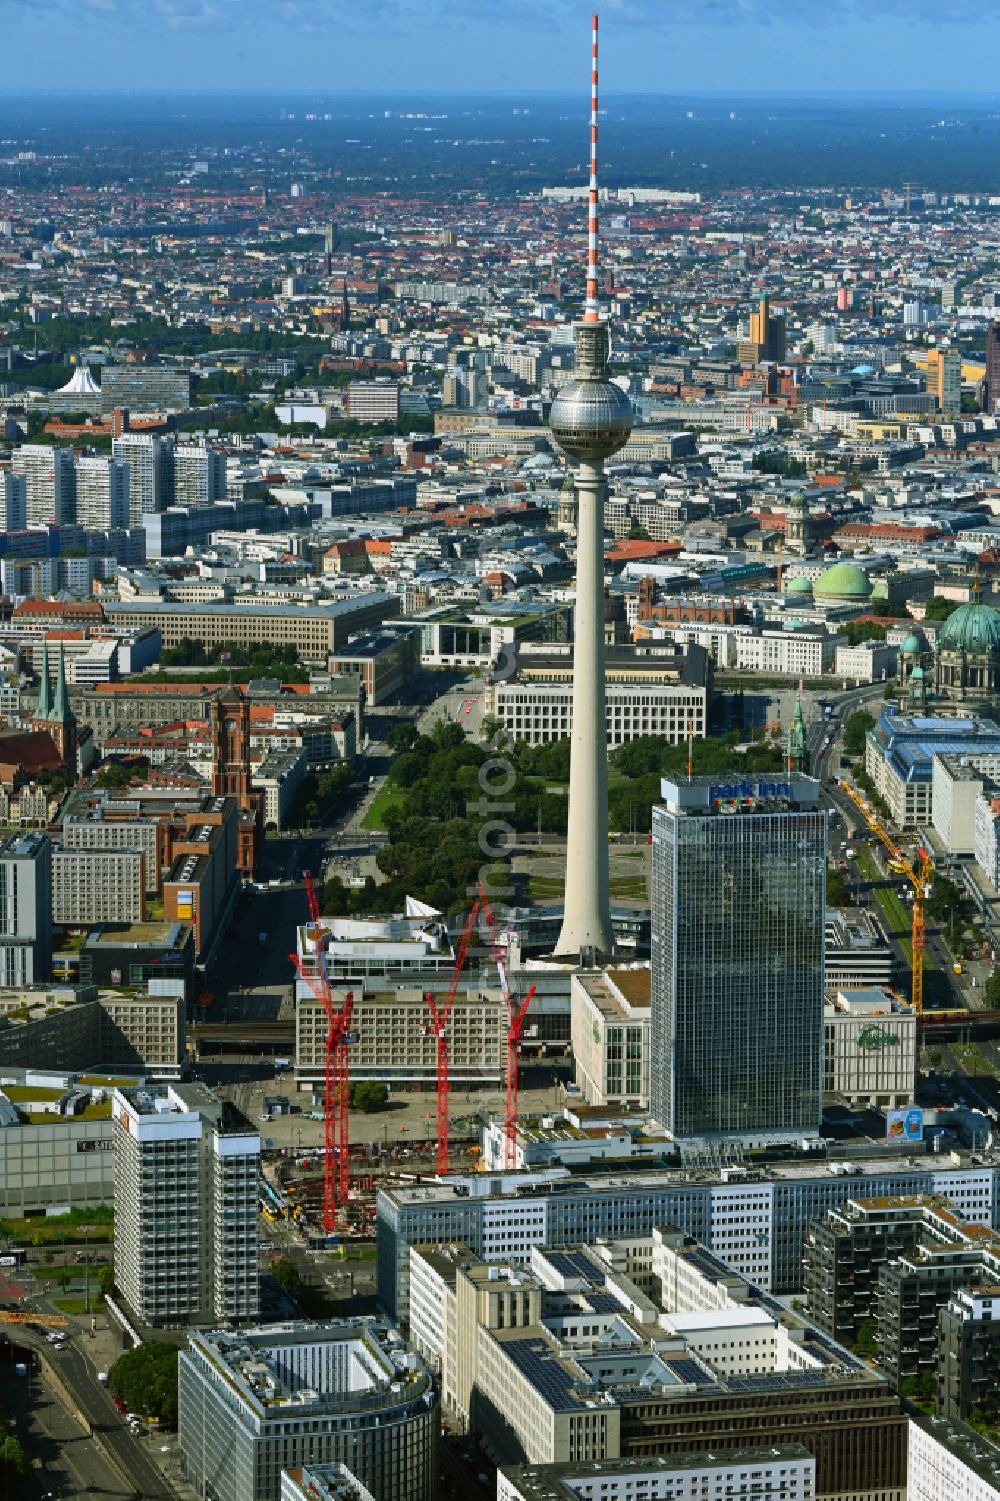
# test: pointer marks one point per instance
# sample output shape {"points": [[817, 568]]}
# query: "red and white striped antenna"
{"points": [[592, 313]]}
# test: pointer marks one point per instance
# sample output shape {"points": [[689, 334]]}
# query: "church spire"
{"points": [[45, 687], [61, 712]]}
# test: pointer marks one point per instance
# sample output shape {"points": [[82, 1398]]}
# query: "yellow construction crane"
{"points": [[46, 1320], [918, 872]]}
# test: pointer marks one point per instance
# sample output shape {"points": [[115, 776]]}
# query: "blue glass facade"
{"points": [[738, 903]]}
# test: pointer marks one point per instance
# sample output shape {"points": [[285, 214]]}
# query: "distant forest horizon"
{"points": [[438, 144]]}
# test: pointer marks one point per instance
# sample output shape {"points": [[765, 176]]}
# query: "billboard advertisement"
{"points": [[905, 1125]]}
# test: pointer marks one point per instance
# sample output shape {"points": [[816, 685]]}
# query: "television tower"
{"points": [[590, 420]]}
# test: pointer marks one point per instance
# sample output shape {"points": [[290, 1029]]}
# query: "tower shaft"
{"points": [[586, 929]]}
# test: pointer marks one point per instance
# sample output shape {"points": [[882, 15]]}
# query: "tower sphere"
{"points": [[591, 419]]}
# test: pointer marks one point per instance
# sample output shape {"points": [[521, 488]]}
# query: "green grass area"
{"points": [[62, 1229], [545, 888], [99, 1112], [350, 1252], [75, 1305], [974, 1060], [633, 887], [384, 799], [897, 915]]}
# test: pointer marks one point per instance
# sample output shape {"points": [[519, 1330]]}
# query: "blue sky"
{"points": [[671, 46]]}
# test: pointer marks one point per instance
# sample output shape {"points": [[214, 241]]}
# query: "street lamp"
{"points": [[86, 1266]]}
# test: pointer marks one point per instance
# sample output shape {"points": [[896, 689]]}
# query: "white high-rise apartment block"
{"points": [[102, 493], [199, 476], [186, 1196], [25, 909], [13, 502], [151, 472], [51, 482]]}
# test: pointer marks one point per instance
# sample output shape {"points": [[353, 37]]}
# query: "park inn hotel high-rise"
{"points": [[738, 904]]}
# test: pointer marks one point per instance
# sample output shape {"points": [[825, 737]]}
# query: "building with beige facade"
{"points": [[609, 1018], [116, 826], [569, 1361], [394, 1042], [91, 886], [668, 694], [84, 1028], [315, 630], [870, 1048]]}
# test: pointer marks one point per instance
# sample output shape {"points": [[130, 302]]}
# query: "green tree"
{"points": [[106, 1279], [837, 891], [939, 608], [13, 1463], [145, 1378], [402, 737], [865, 1342], [991, 992], [368, 1096], [489, 728], [857, 727], [858, 631]]}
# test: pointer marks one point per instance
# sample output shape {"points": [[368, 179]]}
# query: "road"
{"points": [[93, 1401], [72, 1463]]}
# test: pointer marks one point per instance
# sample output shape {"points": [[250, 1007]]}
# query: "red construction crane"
{"points": [[336, 1105], [312, 899], [517, 1011], [440, 1017]]}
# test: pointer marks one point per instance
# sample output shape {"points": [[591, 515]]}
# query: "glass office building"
{"points": [[739, 895]]}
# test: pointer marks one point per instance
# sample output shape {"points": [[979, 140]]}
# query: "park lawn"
{"points": [[57, 1230], [545, 888], [629, 886], [352, 1252], [75, 1305], [898, 915], [386, 798]]}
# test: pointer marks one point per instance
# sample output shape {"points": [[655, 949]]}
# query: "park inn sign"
{"points": [[728, 792]]}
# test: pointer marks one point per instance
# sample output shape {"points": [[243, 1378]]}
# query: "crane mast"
{"points": [[918, 872], [438, 1027], [517, 1011], [336, 1111]]}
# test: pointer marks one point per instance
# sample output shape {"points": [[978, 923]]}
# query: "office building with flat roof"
{"points": [[145, 388], [738, 915], [574, 1360], [756, 1223], [870, 1048], [315, 630], [900, 752], [186, 1204], [785, 1472], [81, 1028], [91, 886], [948, 1461], [258, 1401], [609, 1019]]}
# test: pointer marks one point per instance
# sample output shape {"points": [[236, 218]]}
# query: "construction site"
{"points": [[459, 1023]]}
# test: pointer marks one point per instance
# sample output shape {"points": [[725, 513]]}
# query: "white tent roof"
{"points": [[82, 384]]}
